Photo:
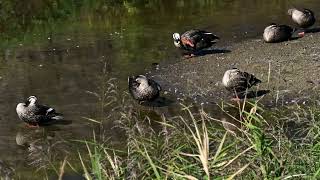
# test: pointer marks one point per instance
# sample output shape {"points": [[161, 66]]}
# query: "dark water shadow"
{"points": [[253, 94], [293, 38], [212, 51], [159, 102], [59, 122]]}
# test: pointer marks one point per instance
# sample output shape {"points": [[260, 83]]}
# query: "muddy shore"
{"points": [[290, 70]]}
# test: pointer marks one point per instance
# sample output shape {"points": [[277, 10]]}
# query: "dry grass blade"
{"points": [[62, 168], [202, 141], [86, 173], [233, 159], [185, 176], [238, 172], [294, 176], [113, 162], [92, 120], [94, 94]]}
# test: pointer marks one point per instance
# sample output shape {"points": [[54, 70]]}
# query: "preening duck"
{"points": [[238, 81], [35, 114], [194, 40], [143, 89], [277, 33], [304, 18]]}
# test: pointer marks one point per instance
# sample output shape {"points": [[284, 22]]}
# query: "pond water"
{"points": [[60, 58]]}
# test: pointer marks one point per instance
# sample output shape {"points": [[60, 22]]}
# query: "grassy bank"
{"points": [[248, 142]]}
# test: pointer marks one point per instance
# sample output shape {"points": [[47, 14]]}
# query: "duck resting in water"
{"points": [[304, 18], [194, 41], [238, 82], [35, 114], [143, 89]]}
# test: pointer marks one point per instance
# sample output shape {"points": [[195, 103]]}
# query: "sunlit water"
{"points": [[61, 63]]}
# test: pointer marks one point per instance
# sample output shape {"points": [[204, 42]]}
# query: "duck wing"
{"points": [[286, 29], [43, 110], [308, 11], [191, 37], [251, 80], [154, 91], [154, 84], [309, 18], [198, 39]]}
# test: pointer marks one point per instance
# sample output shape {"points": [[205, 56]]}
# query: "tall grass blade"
{"points": [[86, 173]]}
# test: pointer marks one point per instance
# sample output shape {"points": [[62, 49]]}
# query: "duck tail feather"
{"points": [[255, 81], [57, 117], [130, 79], [213, 37]]}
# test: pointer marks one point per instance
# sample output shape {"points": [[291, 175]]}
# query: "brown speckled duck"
{"points": [[304, 18], [35, 114], [194, 40], [237, 81], [143, 89], [277, 33]]}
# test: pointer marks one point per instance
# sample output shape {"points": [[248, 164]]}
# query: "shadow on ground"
{"points": [[212, 51], [253, 94], [159, 102]]}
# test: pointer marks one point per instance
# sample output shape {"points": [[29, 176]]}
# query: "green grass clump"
{"points": [[194, 145], [247, 142]]}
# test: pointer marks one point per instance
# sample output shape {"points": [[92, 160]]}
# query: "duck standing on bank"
{"points": [[35, 114], [304, 18], [277, 33], [238, 82], [143, 89], [194, 41]]}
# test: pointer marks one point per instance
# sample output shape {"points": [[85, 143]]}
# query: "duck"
{"points": [[237, 81], [304, 18], [194, 40], [35, 114], [143, 89], [277, 33]]}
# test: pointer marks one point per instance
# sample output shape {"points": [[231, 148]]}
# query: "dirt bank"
{"points": [[290, 70]]}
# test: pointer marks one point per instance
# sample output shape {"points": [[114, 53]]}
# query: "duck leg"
{"points": [[32, 125], [187, 56], [237, 98], [301, 32]]}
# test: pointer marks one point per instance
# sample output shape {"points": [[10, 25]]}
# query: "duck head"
{"points": [[176, 39], [290, 11], [31, 100], [229, 74], [142, 81], [272, 25]]}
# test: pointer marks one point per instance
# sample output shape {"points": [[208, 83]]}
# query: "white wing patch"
{"points": [[49, 110]]}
